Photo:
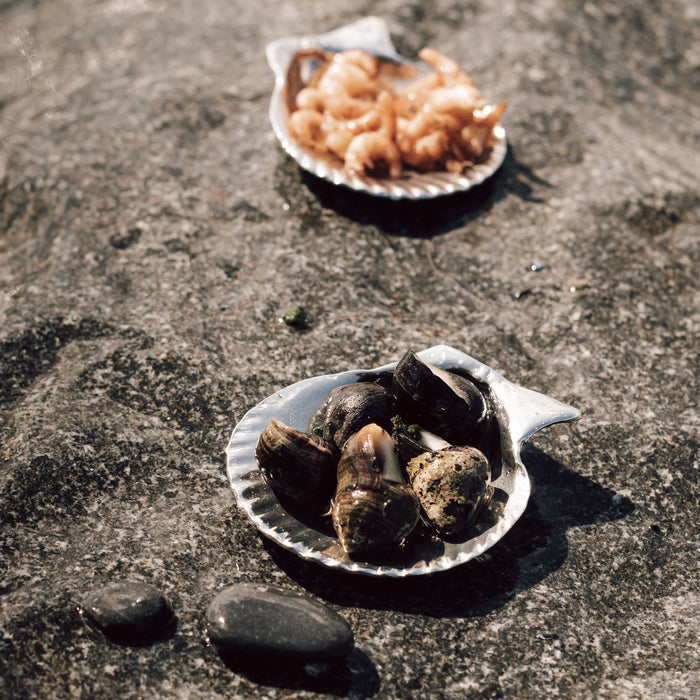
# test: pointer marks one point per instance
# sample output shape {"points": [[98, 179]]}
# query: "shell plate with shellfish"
{"points": [[511, 415]]}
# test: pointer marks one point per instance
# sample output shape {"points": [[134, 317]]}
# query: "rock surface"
{"points": [[151, 234]]}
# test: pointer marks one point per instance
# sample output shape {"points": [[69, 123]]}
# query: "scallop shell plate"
{"points": [[520, 413], [371, 35]]}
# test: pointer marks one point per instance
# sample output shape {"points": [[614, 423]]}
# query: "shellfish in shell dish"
{"points": [[423, 490]]}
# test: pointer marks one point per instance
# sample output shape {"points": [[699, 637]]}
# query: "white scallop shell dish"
{"points": [[371, 35], [519, 413]]}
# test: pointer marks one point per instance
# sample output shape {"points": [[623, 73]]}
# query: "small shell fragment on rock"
{"points": [[294, 316], [252, 620]]}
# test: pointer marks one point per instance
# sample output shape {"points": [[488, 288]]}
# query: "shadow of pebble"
{"points": [[535, 547], [354, 677]]}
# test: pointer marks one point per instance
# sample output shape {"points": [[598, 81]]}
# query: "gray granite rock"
{"points": [[151, 233]]}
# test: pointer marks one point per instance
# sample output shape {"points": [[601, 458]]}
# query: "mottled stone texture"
{"points": [[151, 231]]}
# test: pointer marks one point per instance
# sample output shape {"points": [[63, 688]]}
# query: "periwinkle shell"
{"points": [[453, 485], [131, 612], [373, 509], [252, 620], [369, 521]]}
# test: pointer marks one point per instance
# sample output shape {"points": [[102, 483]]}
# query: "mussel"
{"points": [[352, 406], [297, 465], [373, 509], [453, 485], [442, 402]]}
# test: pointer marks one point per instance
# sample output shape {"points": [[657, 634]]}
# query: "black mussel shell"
{"points": [[442, 402], [352, 406]]}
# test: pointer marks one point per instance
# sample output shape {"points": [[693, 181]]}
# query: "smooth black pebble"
{"points": [[129, 613], [256, 620]]}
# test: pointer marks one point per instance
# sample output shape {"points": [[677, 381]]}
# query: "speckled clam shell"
{"points": [[519, 412], [371, 35], [453, 485]]}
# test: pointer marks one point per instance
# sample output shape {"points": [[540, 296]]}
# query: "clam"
{"points": [[352, 406], [442, 402], [296, 465], [412, 440], [373, 509], [453, 485]]}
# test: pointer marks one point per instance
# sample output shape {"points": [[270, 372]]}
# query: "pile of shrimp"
{"points": [[350, 109]]}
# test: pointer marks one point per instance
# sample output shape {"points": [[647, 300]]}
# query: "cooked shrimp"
{"points": [[368, 63], [347, 76], [478, 135], [414, 95], [310, 98], [306, 126], [427, 152], [373, 152], [379, 118], [348, 109], [447, 69], [425, 122], [340, 134], [459, 100], [342, 107]]}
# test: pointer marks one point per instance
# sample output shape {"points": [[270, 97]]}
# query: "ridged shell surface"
{"points": [[372, 511], [296, 465]]}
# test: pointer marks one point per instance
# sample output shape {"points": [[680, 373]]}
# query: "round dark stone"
{"points": [[254, 620], [129, 612]]}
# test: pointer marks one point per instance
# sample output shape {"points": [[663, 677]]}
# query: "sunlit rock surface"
{"points": [[152, 233]]}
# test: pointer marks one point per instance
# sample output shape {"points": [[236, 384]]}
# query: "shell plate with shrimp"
{"points": [[350, 110], [358, 128]]}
